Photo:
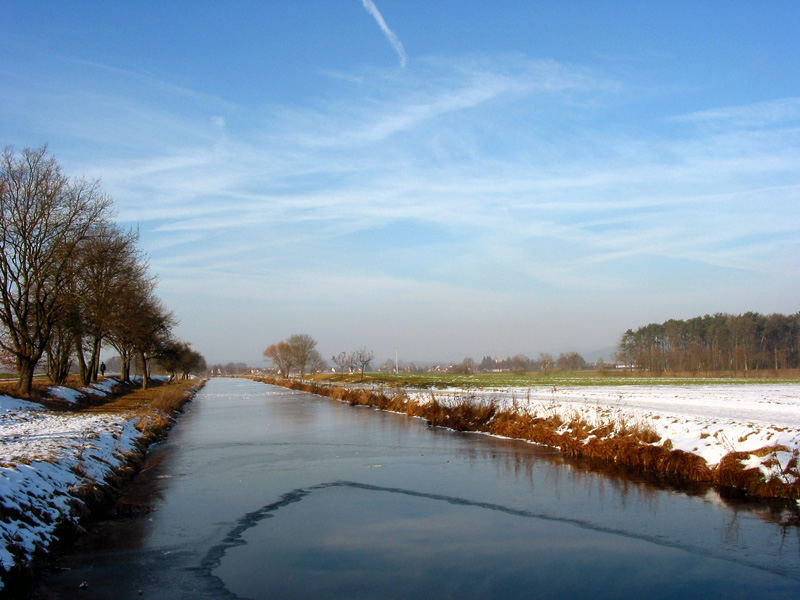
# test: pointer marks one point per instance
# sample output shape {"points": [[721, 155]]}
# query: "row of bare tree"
{"points": [[299, 352], [357, 360], [72, 280], [566, 361], [720, 342]]}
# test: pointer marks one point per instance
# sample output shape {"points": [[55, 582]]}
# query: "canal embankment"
{"points": [[738, 451], [64, 461], [266, 492]]}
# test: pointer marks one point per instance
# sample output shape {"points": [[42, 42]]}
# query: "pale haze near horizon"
{"points": [[436, 179]]}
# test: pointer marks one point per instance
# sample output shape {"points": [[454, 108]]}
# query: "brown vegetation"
{"points": [[624, 443], [156, 407]]}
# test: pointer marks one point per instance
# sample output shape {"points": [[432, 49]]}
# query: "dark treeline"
{"points": [[566, 361], [719, 342], [231, 368]]}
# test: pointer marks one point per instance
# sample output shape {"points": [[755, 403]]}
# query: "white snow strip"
{"points": [[44, 456], [707, 420], [65, 393]]}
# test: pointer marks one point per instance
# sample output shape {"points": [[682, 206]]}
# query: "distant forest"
{"points": [[721, 342]]}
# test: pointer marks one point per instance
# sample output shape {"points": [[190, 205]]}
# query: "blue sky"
{"points": [[445, 178]]}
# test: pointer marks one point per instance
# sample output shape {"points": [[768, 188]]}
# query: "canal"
{"points": [[262, 492]]}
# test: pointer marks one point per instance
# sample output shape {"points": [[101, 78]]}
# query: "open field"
{"points": [[557, 378]]}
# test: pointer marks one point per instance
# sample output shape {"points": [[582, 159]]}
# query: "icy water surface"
{"points": [[269, 493]]}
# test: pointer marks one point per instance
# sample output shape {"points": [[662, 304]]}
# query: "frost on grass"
{"points": [[45, 457]]}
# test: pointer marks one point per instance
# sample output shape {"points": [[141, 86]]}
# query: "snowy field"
{"points": [[708, 420], [44, 455]]}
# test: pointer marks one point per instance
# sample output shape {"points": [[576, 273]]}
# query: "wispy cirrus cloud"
{"points": [[502, 199], [370, 7], [507, 179], [390, 104], [758, 114]]}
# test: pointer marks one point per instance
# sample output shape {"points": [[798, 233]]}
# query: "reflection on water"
{"points": [[628, 482], [269, 493], [391, 543]]}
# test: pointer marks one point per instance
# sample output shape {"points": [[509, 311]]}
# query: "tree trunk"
{"points": [[143, 358], [25, 369], [81, 360], [95, 361], [125, 367], [58, 368]]}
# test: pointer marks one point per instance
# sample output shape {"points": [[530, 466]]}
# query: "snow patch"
{"points": [[45, 456], [65, 393], [708, 420]]}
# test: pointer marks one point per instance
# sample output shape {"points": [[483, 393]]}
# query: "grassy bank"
{"points": [[616, 440]]}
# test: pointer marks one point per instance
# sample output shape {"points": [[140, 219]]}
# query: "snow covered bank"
{"points": [[759, 424], [50, 463]]}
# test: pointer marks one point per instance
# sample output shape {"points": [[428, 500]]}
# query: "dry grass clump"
{"points": [[731, 471], [541, 430], [466, 414], [158, 407], [579, 428], [338, 393], [170, 399], [780, 483], [394, 400], [684, 464]]}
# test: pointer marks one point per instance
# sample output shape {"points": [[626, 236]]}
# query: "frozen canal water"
{"points": [[265, 492]]}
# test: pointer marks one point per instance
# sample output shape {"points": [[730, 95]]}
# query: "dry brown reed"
{"points": [[781, 483], [158, 407]]}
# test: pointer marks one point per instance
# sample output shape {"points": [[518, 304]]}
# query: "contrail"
{"points": [[393, 40]]}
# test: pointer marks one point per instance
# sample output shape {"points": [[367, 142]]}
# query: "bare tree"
{"points": [[153, 329], [297, 351], [59, 349], [361, 359], [520, 363], [465, 367], [170, 356], [105, 264], [571, 361], [546, 362], [343, 360], [316, 363], [109, 264], [281, 356], [178, 357], [44, 216], [140, 326], [304, 350]]}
